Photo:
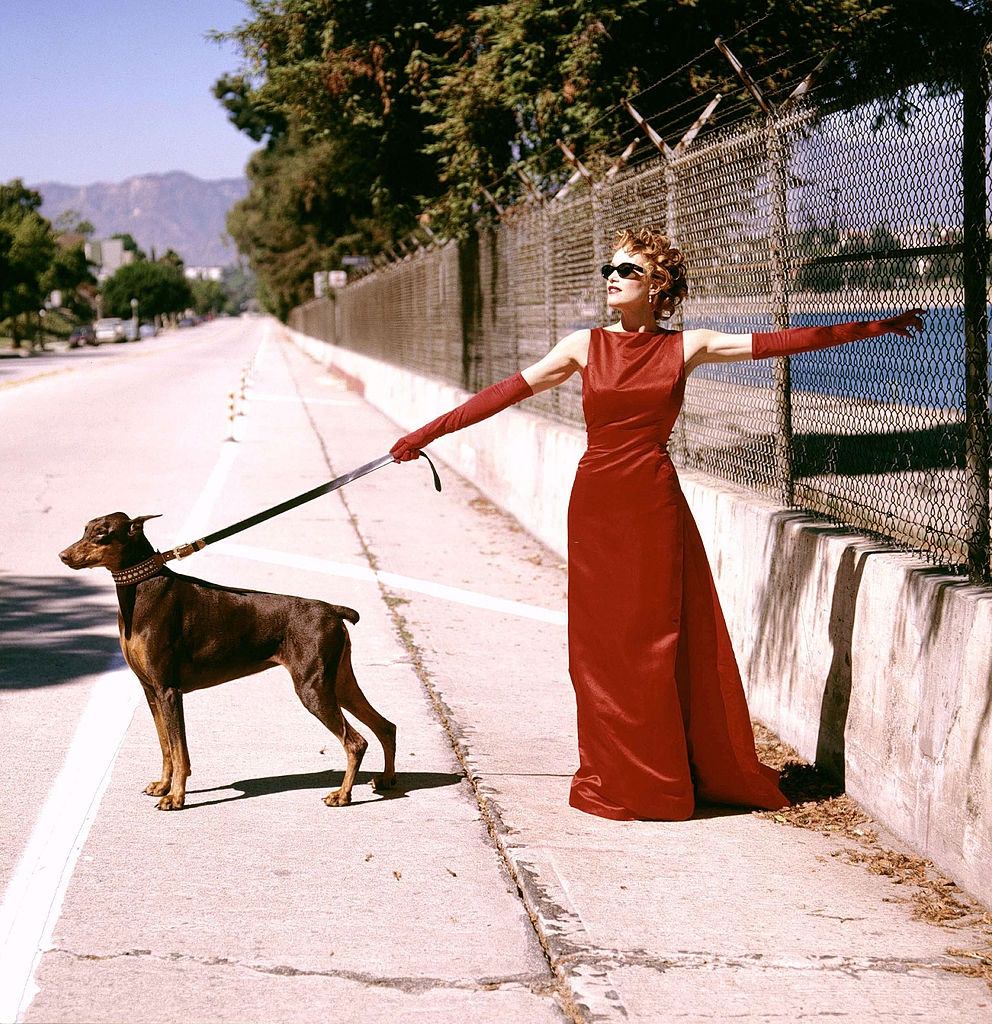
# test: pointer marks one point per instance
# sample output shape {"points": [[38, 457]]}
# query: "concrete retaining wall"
{"points": [[866, 660]]}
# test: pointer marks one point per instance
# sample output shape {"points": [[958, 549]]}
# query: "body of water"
{"points": [[925, 370]]}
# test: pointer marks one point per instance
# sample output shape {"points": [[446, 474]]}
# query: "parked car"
{"points": [[110, 328], [148, 330], [187, 321], [84, 335]]}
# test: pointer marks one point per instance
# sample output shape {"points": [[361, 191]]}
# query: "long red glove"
{"points": [[487, 402], [808, 339]]}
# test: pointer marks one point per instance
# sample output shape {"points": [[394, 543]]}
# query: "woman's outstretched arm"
{"points": [[554, 368], [715, 347]]}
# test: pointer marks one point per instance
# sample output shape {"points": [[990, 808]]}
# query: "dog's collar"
{"points": [[142, 571]]}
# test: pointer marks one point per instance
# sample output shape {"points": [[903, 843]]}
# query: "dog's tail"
{"points": [[346, 613]]}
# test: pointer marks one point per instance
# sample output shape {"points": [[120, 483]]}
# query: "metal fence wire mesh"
{"points": [[786, 220]]}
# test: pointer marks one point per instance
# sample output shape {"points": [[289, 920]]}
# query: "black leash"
{"points": [[148, 568], [302, 499]]}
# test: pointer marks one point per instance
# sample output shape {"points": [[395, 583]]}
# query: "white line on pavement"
{"points": [[308, 401], [198, 519], [391, 579], [33, 900]]}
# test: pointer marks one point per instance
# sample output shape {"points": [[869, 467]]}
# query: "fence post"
{"points": [[600, 239], [547, 223], [975, 268], [778, 232], [782, 373], [470, 293], [671, 230]]}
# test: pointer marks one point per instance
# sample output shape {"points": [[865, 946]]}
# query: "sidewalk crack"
{"points": [[538, 983]]}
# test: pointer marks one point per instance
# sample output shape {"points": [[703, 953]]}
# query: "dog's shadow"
{"points": [[406, 782]]}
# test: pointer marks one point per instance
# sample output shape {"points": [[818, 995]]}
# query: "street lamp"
{"points": [[134, 319]]}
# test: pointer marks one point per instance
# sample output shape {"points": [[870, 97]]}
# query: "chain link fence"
{"points": [[787, 219]]}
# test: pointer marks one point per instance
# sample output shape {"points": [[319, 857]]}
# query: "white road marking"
{"points": [[357, 572], [33, 900], [308, 401], [198, 519]]}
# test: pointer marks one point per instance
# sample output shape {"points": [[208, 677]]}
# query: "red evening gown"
{"points": [[662, 717]]}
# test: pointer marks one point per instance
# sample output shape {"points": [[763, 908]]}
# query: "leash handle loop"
{"points": [[437, 479]]}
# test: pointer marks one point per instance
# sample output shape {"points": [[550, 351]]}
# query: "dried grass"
{"points": [[819, 804], [980, 967]]}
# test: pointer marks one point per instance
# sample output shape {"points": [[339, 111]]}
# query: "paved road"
{"points": [[474, 893]]}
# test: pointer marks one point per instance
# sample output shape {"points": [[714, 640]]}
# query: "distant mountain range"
{"points": [[162, 211]]}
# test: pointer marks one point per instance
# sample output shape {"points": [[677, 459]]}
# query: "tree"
{"points": [[71, 222], [130, 245], [523, 73], [27, 247], [240, 287], [171, 258], [825, 241], [35, 260], [419, 106], [298, 217], [208, 296], [917, 44], [247, 112], [334, 92], [70, 274], [159, 288]]}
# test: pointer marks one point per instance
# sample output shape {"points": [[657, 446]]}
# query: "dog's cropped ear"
{"points": [[136, 525]]}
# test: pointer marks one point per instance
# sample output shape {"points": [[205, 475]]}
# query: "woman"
{"points": [[662, 717]]}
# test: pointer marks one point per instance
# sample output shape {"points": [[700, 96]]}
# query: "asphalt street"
{"points": [[472, 892]]}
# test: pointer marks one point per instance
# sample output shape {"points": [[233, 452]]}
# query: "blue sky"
{"points": [[99, 90]]}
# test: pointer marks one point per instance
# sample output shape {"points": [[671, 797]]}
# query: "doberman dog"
{"points": [[180, 634]]}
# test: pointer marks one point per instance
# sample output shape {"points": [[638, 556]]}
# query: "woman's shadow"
{"points": [[406, 782]]}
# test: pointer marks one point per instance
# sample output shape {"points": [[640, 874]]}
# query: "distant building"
{"points": [[204, 273], [108, 255]]}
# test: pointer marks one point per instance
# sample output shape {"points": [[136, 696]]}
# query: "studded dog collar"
{"points": [[142, 571]]}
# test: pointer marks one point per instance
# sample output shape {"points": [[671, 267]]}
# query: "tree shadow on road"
{"points": [[406, 782], [47, 623]]}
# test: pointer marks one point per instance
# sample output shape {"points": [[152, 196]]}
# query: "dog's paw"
{"points": [[171, 803], [157, 788], [383, 781], [337, 798]]}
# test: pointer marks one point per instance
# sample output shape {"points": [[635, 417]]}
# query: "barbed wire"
{"points": [[609, 112], [727, 116]]}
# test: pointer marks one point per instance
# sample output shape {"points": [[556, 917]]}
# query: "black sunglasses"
{"points": [[623, 269]]}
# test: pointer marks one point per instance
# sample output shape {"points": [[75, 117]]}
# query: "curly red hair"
{"points": [[665, 263]]}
